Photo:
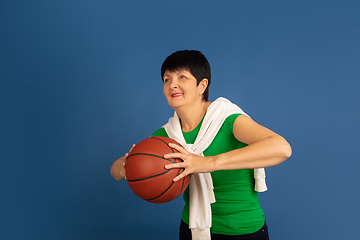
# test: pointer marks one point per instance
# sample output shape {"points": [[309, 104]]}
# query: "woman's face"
{"points": [[181, 89]]}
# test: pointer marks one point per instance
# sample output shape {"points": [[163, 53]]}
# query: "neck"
{"points": [[192, 115]]}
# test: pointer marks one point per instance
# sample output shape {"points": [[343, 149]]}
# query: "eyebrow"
{"points": [[180, 71]]}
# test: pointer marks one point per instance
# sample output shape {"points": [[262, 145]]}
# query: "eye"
{"points": [[166, 80], [183, 77]]}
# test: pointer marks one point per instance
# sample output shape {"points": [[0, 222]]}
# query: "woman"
{"points": [[238, 146]]}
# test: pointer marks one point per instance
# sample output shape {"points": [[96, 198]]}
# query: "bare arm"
{"points": [[117, 169], [265, 148]]}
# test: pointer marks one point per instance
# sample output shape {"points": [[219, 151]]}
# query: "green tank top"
{"points": [[237, 210]]}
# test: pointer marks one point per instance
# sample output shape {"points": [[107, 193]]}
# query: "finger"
{"points": [[176, 165], [132, 147], [127, 154], [176, 146], [124, 164], [177, 178], [173, 155]]}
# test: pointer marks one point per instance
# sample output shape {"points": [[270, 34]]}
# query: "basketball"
{"points": [[146, 173]]}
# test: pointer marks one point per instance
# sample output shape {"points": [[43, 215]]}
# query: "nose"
{"points": [[173, 84]]}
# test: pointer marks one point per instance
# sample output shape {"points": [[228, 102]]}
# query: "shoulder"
{"points": [[248, 131], [160, 133], [230, 120]]}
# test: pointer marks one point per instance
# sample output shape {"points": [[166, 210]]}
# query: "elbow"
{"points": [[286, 150], [283, 150]]}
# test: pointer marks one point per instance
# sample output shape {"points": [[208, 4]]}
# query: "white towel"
{"points": [[201, 186]]}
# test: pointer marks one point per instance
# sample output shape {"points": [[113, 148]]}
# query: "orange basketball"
{"points": [[146, 173]]}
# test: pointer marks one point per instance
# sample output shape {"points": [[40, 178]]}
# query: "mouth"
{"points": [[174, 95]]}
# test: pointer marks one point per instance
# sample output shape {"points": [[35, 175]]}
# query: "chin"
{"points": [[174, 105]]}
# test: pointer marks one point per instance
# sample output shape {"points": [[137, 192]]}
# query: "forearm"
{"points": [[267, 152], [263, 153]]}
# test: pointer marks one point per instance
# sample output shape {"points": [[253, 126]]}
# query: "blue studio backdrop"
{"points": [[81, 83]]}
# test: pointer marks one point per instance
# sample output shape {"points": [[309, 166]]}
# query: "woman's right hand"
{"points": [[117, 169]]}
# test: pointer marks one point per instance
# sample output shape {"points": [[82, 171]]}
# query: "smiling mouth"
{"points": [[176, 95]]}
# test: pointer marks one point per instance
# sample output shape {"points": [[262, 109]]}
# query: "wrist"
{"points": [[213, 163]]}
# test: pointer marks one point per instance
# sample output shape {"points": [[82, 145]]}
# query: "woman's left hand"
{"points": [[192, 163]]}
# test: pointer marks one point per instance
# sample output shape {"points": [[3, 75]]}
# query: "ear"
{"points": [[203, 85]]}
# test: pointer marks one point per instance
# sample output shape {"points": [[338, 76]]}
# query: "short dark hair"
{"points": [[193, 61]]}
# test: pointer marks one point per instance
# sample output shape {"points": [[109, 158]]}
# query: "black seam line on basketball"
{"points": [[165, 190], [165, 143], [140, 179], [152, 155], [161, 193]]}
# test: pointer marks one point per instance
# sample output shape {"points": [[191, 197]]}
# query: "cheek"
{"points": [[166, 92]]}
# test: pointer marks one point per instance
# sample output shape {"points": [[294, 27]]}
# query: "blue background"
{"points": [[81, 83]]}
